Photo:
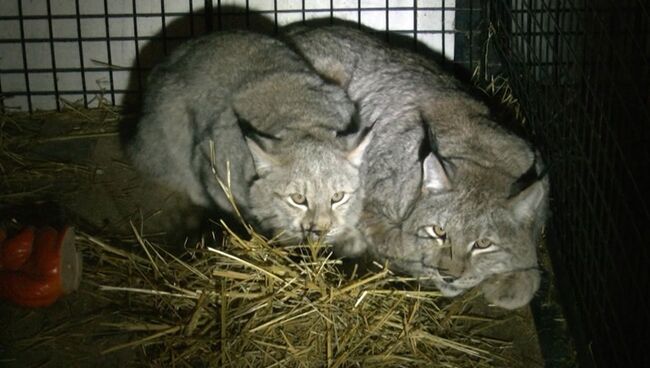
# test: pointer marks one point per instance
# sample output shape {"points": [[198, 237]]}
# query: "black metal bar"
{"points": [[81, 53], [415, 24], [208, 9], [2, 100], [70, 92], [137, 50], [471, 34], [484, 15], [91, 39], [52, 55], [169, 37], [219, 16], [164, 26], [275, 16], [24, 50], [109, 53], [387, 10], [248, 15], [443, 30], [69, 70], [252, 11], [191, 4]]}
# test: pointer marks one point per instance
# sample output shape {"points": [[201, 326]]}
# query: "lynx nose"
{"points": [[313, 234], [316, 224], [447, 275], [318, 229], [315, 231], [448, 279]]}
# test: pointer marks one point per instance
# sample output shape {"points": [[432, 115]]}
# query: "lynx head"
{"points": [[471, 227], [308, 189]]}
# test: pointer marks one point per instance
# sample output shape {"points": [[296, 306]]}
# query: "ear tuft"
{"points": [[263, 161]]}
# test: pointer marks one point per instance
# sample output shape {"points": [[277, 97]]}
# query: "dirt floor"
{"points": [[72, 166]]}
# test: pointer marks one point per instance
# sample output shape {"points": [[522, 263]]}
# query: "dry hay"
{"points": [[253, 303], [27, 140], [497, 87]]}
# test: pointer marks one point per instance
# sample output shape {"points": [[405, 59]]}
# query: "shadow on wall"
{"points": [[226, 18], [173, 35]]}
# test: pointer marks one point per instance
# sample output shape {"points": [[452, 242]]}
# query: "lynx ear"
{"points": [[531, 201], [263, 161], [434, 176], [355, 156]]}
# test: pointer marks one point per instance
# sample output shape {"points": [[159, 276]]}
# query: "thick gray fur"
{"points": [[201, 96], [463, 184]]}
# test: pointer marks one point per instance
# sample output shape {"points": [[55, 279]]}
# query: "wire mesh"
{"points": [[77, 50], [580, 70]]}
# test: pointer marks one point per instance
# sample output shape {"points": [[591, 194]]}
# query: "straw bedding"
{"points": [[252, 303]]}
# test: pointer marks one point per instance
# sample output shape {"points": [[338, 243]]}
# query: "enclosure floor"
{"points": [[106, 197]]}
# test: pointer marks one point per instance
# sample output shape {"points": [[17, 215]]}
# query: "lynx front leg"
{"points": [[353, 245], [511, 290]]}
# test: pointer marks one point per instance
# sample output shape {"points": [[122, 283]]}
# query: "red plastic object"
{"points": [[48, 267], [15, 251]]}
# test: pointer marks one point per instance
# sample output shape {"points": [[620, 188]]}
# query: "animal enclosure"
{"points": [[576, 72]]}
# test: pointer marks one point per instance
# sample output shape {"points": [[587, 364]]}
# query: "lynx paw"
{"points": [[511, 290]]}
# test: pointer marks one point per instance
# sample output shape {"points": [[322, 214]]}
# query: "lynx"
{"points": [[445, 193], [243, 108]]}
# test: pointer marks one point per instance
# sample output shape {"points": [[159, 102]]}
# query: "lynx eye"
{"points": [[298, 199], [436, 232], [482, 244], [338, 197]]}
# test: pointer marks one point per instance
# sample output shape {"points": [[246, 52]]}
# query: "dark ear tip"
{"points": [[530, 177], [372, 126], [368, 133]]}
